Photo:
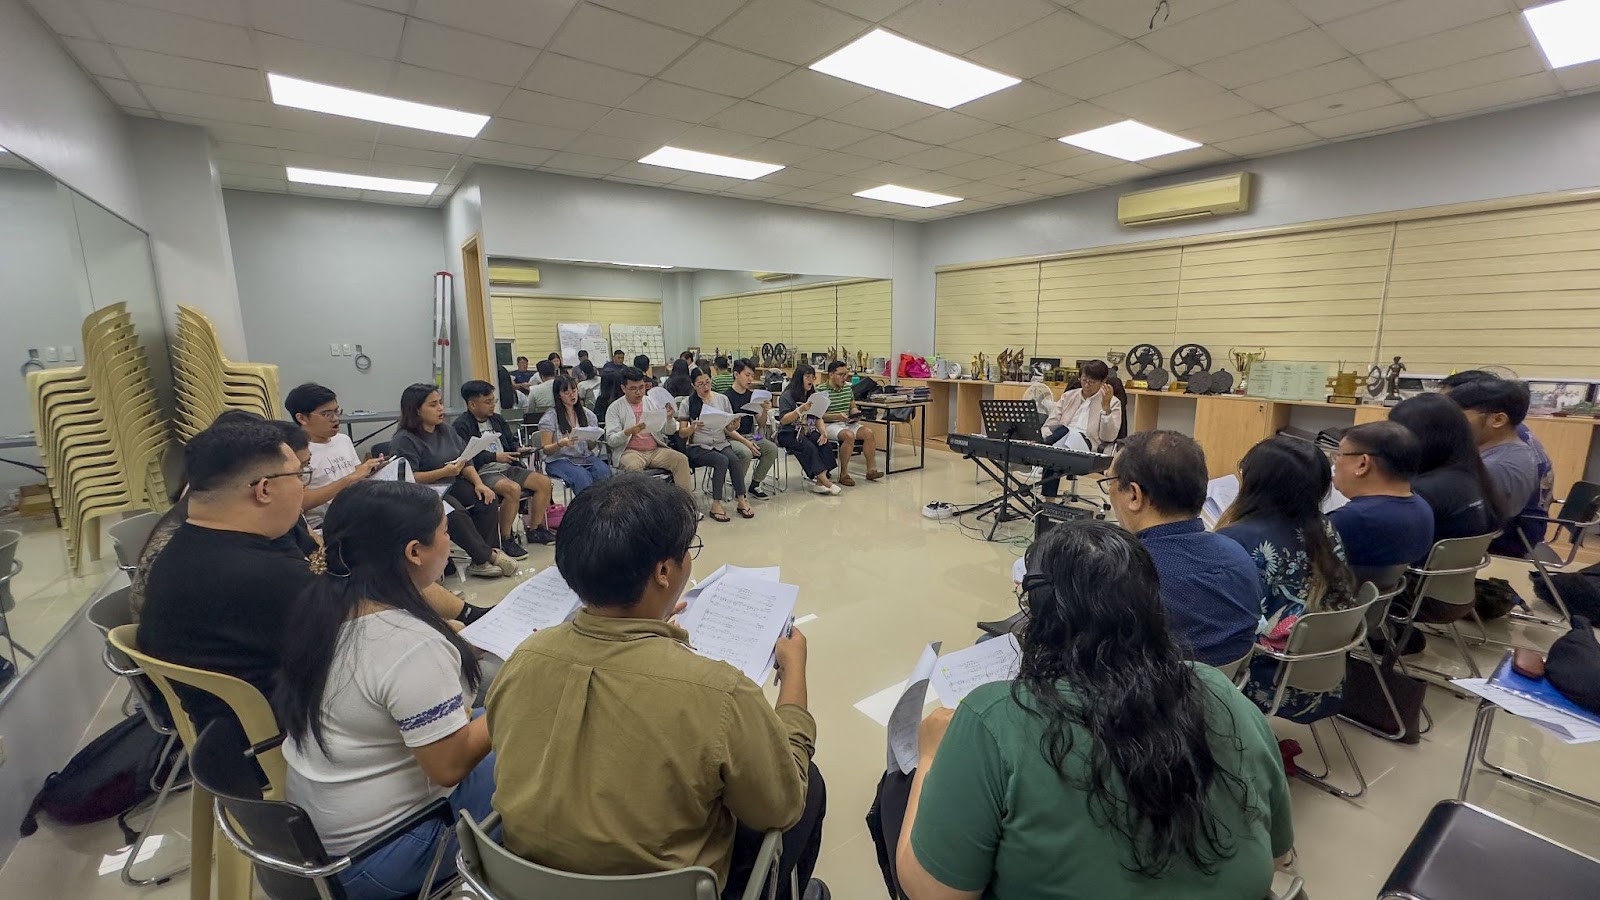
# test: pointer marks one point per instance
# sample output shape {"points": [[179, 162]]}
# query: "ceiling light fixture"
{"points": [[709, 163], [326, 98], [888, 62], [1568, 31], [893, 193], [1129, 140], [359, 182]]}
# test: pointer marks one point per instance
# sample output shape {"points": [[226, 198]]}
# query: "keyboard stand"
{"points": [[1007, 420]]}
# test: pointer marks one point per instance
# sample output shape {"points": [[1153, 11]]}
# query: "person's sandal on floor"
{"points": [[745, 512]]}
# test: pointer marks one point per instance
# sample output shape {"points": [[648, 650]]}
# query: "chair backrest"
{"points": [[128, 538], [1451, 569], [1232, 669], [1323, 637], [111, 611], [1582, 506], [10, 540], [502, 875], [250, 708], [381, 448]]}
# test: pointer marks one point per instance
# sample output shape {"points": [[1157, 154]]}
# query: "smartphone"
{"points": [[1529, 663]]}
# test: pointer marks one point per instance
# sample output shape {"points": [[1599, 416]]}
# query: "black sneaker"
{"points": [[541, 536], [817, 889], [511, 548], [756, 492]]}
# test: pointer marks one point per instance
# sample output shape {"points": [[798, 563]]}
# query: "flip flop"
{"points": [[721, 517], [746, 513]]}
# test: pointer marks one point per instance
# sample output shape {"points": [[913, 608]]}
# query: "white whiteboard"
{"points": [[633, 340], [575, 336]]}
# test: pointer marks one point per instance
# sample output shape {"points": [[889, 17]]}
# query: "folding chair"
{"points": [[10, 566], [1579, 512], [1462, 852], [1478, 755], [128, 538], [1443, 593]]}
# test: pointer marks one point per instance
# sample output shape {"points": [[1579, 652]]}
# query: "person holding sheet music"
{"points": [[500, 469], [1092, 409], [641, 443], [568, 456], [649, 756], [723, 449], [800, 431], [432, 450], [757, 427], [1095, 774], [375, 691], [843, 425]]}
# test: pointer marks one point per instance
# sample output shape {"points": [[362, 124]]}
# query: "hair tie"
{"points": [[319, 563]]}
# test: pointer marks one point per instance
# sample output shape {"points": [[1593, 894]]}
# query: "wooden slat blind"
{"points": [[985, 310], [719, 324], [764, 318], [814, 322], [1091, 304], [533, 320], [865, 309]]}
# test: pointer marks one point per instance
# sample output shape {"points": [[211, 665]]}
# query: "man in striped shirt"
{"points": [[721, 375], [844, 426]]}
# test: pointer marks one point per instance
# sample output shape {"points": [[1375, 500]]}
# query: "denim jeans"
{"points": [[397, 870], [578, 474]]}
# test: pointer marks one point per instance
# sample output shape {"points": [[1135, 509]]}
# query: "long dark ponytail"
{"points": [[1097, 627], [365, 535], [565, 416]]}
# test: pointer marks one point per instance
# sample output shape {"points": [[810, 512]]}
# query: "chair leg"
{"points": [[1478, 753], [155, 811], [1322, 781], [202, 834], [235, 879], [1461, 645], [1556, 600]]}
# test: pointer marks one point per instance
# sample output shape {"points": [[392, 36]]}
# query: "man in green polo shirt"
{"points": [[844, 425], [721, 375]]}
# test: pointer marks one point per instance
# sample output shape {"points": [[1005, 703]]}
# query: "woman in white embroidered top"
{"points": [[375, 691], [1092, 409]]}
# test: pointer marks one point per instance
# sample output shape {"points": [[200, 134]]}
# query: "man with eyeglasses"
{"points": [[335, 464], [216, 597], [1384, 524]]}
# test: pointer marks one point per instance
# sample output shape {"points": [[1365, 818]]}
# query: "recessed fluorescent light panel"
{"points": [[888, 62], [1129, 140], [359, 182], [893, 193], [709, 163], [1568, 31], [339, 101]]}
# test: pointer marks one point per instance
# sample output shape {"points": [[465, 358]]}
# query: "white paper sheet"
{"points": [[391, 471], [760, 573], [478, 444], [959, 673], [1221, 492], [738, 619], [588, 433], [1074, 439], [542, 601], [1568, 729], [907, 715], [661, 397], [715, 420], [655, 418], [817, 404]]}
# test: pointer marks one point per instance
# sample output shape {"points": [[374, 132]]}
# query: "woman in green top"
{"points": [[1110, 768]]}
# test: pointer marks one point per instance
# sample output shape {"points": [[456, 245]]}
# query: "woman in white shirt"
{"points": [[375, 691], [722, 448], [567, 456], [1092, 409]]}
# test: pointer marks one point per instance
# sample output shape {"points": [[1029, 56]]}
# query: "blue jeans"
{"points": [[397, 870], [578, 473]]}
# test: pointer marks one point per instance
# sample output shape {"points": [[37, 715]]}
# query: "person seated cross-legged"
{"points": [[499, 468], [642, 446], [844, 427], [621, 752]]}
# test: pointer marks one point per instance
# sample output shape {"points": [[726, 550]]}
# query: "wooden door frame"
{"points": [[480, 347]]}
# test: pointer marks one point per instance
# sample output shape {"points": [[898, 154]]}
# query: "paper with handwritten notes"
{"points": [[739, 619]]}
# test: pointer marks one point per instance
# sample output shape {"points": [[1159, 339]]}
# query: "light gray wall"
{"points": [[313, 271], [1532, 150], [565, 280], [39, 292], [463, 218]]}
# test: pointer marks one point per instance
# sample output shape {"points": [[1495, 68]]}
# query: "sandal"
{"points": [[721, 517], [746, 512]]}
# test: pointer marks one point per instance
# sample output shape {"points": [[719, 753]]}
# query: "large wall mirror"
{"points": [[61, 257]]}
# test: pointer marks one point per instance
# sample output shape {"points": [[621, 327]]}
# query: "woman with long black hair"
{"points": [[1451, 476], [724, 450], [1110, 767], [610, 392], [568, 457], [375, 690], [802, 434], [1277, 517], [431, 450], [679, 382]]}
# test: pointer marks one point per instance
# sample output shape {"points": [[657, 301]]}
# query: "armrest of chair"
{"points": [[438, 809]]}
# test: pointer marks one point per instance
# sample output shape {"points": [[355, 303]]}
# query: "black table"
{"points": [[888, 428], [18, 442]]}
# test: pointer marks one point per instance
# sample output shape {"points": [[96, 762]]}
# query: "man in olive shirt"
{"points": [[619, 754]]}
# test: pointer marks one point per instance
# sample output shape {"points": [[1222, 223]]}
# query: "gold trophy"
{"points": [[1342, 387], [979, 366], [1243, 360], [1115, 358]]}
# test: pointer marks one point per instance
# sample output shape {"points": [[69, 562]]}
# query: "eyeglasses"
{"points": [[1102, 481], [304, 475], [330, 414], [1333, 454], [695, 546]]}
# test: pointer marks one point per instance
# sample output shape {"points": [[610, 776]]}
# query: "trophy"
{"points": [[1343, 387], [1115, 358], [978, 366], [1395, 368], [861, 360], [1243, 360]]}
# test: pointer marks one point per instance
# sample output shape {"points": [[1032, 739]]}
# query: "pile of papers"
{"points": [[1536, 700]]}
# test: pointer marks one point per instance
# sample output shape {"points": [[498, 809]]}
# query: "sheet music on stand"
{"points": [[543, 601], [739, 619]]}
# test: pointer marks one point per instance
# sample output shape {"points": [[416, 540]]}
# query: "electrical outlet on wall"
{"points": [[348, 349], [50, 355], [69, 353], [333, 349]]}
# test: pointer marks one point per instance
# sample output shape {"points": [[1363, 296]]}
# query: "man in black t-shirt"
{"points": [[217, 595], [757, 427]]}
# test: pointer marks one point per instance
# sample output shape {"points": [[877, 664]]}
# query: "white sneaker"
{"points": [[508, 566], [818, 487], [835, 490], [485, 570], [1032, 476]]}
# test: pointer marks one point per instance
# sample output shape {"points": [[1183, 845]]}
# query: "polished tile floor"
{"points": [[47, 592], [902, 581]]}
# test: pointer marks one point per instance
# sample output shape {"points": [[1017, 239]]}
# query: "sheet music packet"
{"points": [[715, 420], [1529, 698], [543, 601], [762, 573], [962, 672], [588, 433], [906, 719], [739, 619], [478, 444], [757, 398], [817, 404], [391, 471]]}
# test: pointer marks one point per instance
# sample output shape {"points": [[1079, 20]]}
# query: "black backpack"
{"points": [[109, 777]]}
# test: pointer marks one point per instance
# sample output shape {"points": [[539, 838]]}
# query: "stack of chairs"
{"points": [[208, 382], [101, 434]]}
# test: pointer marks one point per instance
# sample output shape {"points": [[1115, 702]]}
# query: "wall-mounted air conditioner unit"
{"points": [[514, 276], [770, 276], [1211, 197]]}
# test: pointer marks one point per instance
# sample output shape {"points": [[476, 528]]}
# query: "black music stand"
{"points": [[1008, 421]]}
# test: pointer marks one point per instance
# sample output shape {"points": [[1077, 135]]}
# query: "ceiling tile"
{"points": [[1323, 11], [303, 121], [175, 71], [811, 93], [883, 112], [621, 42], [640, 127], [674, 101], [230, 11], [1046, 44], [827, 134], [1369, 120], [715, 140], [210, 106], [943, 128], [697, 17], [1229, 29], [444, 89], [326, 145], [1473, 73], [760, 188], [163, 32], [1106, 71], [95, 57], [1003, 196], [123, 93], [1022, 179], [1237, 127], [995, 140], [259, 185], [519, 21], [759, 119], [724, 70], [1308, 84], [839, 163], [64, 18], [937, 158], [956, 26], [1016, 103], [1070, 120], [982, 169], [886, 147], [336, 23], [576, 79], [1175, 101], [845, 185], [938, 182], [800, 178], [1274, 59], [871, 10], [1344, 103], [1404, 20], [1269, 142], [1118, 174], [1059, 186], [233, 132], [509, 153], [251, 153], [891, 173], [1474, 41], [424, 140], [1078, 165], [609, 147], [1040, 154], [544, 109], [1133, 20], [413, 157], [636, 171], [805, 195], [464, 53], [782, 152], [796, 31], [328, 65], [1583, 77], [1185, 160], [545, 137], [1539, 85]]}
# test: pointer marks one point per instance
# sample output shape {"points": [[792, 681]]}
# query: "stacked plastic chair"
{"points": [[208, 382], [101, 433]]}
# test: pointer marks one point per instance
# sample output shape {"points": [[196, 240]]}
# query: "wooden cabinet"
{"points": [[1567, 443], [1228, 428]]}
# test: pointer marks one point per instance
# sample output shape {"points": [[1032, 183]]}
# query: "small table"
{"points": [[351, 419], [888, 429], [18, 442]]}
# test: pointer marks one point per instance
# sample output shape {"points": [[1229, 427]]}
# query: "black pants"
{"points": [[472, 524], [885, 820], [801, 844], [815, 459], [720, 462], [1052, 486]]}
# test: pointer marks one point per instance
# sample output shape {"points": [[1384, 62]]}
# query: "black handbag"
{"points": [[1364, 701], [1573, 665]]}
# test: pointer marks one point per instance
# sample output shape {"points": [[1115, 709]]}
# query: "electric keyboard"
{"points": [[1028, 453]]}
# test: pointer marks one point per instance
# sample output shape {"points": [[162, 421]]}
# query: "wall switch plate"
{"points": [[333, 349], [348, 349], [2, 751], [50, 355], [69, 353]]}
